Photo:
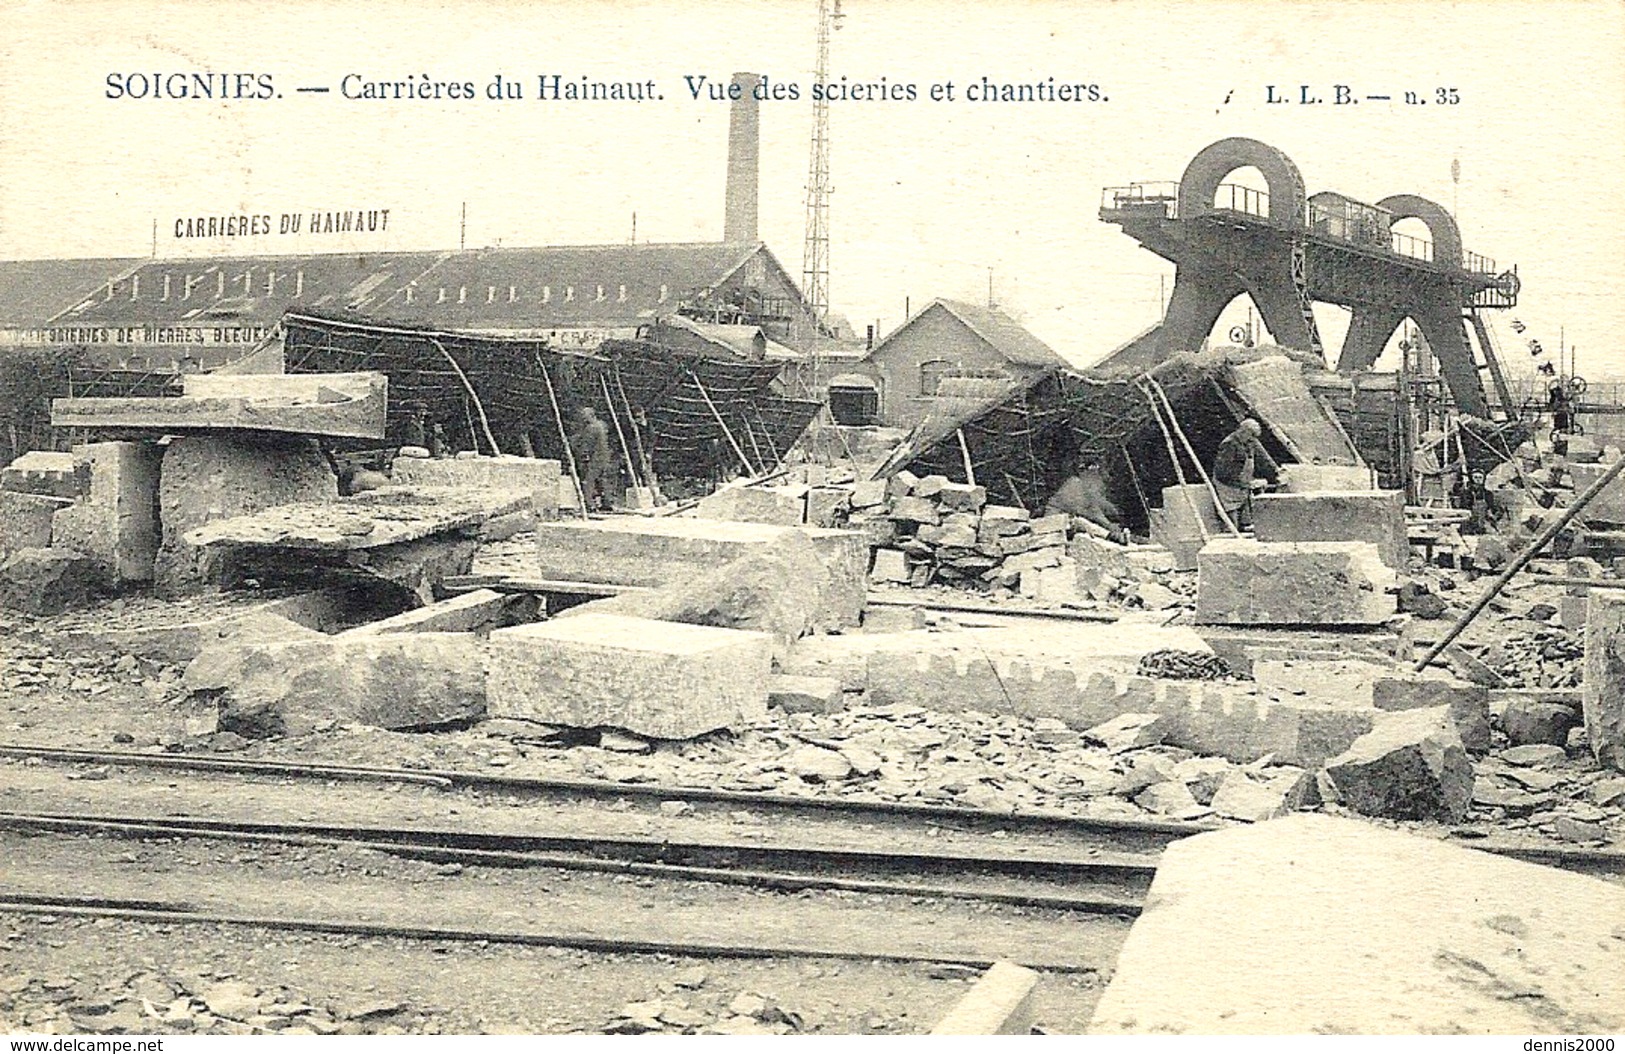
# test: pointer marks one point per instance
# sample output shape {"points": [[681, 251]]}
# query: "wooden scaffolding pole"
{"points": [[1224, 517], [564, 437], [1179, 470], [738, 451]]}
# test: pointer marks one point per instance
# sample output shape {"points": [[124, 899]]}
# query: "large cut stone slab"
{"points": [[115, 523], [208, 477], [540, 476], [784, 506], [1083, 674], [658, 679], [1603, 703], [1410, 766], [655, 551], [1300, 478], [348, 405], [1245, 582], [479, 611], [1375, 516], [398, 680], [25, 520], [48, 472], [1321, 924], [783, 588]]}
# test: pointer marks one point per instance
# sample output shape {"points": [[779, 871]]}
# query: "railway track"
{"points": [[1079, 868]]}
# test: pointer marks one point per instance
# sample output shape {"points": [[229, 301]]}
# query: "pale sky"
{"points": [[928, 195]]}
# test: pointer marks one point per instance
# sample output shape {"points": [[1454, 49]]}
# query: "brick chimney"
{"points": [[744, 149]]}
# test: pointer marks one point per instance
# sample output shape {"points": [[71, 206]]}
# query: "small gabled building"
{"points": [[950, 339]]}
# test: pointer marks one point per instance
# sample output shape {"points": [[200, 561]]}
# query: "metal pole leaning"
{"points": [[1521, 561]]}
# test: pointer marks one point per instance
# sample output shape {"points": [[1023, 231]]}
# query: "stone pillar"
{"points": [[1603, 698], [115, 522]]}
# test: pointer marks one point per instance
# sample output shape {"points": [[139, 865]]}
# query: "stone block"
{"points": [[1082, 674], [479, 612], [783, 589], [868, 493], [1609, 505], [1264, 796], [1410, 766], [811, 695], [826, 506], [1603, 702], [929, 486], [901, 484], [341, 405], [962, 497], [1532, 722], [891, 565], [1001, 1003], [1571, 613], [654, 679], [116, 522], [1188, 516], [46, 472], [1316, 924], [1375, 516], [655, 551], [25, 520], [915, 510], [1304, 478], [1051, 585], [783, 506], [540, 476], [1010, 515], [206, 478], [398, 681], [47, 581], [1468, 703], [1245, 582]]}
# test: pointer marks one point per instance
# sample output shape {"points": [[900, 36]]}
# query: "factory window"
{"points": [[663, 293], [600, 297], [547, 293], [622, 297], [569, 293], [932, 371]]}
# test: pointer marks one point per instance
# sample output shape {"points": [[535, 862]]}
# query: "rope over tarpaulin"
{"points": [[659, 386]]}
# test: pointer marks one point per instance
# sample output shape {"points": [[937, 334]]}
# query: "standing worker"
{"points": [[1240, 459], [590, 445]]}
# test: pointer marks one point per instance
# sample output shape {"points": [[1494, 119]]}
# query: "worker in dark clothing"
{"points": [[1240, 460], [589, 443], [1561, 405], [1083, 494]]}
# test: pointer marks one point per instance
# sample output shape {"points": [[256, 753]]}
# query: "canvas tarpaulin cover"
{"points": [[685, 411]]}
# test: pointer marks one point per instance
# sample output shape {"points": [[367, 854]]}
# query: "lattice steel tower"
{"points": [[815, 251]]}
